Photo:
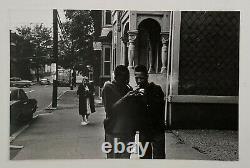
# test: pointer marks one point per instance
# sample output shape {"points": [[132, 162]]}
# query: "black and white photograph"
{"points": [[123, 84]]}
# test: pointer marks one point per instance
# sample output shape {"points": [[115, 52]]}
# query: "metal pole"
{"points": [[71, 79], [55, 57]]}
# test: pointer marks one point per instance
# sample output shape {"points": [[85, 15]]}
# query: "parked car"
{"points": [[13, 80], [21, 106], [18, 82], [44, 81]]}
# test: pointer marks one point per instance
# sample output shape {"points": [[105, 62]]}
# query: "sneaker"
{"points": [[86, 119], [83, 123]]}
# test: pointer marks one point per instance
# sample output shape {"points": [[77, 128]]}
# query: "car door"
{"points": [[26, 106], [16, 107]]}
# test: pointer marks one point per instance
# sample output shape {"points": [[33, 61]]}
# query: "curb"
{"points": [[58, 98]]}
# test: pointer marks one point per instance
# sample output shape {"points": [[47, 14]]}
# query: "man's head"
{"points": [[121, 74], [141, 75]]}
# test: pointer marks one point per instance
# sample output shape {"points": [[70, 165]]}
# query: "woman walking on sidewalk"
{"points": [[85, 105]]}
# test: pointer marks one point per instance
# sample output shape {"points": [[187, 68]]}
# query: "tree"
{"points": [[97, 20], [19, 56], [79, 31], [40, 40]]}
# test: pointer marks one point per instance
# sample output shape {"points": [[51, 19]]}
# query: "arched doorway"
{"points": [[149, 45]]}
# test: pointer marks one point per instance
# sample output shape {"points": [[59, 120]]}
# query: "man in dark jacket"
{"points": [[117, 122], [152, 127]]}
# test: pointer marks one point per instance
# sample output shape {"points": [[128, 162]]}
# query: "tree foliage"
{"points": [[40, 39], [79, 31], [34, 46], [20, 53]]}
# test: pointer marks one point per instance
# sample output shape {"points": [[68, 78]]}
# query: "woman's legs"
{"points": [[84, 120]]}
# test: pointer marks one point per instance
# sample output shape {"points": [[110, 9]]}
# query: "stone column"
{"points": [[131, 48], [164, 51], [125, 45]]}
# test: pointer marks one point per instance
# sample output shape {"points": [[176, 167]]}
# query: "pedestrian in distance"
{"points": [[152, 121], [117, 122], [84, 92]]}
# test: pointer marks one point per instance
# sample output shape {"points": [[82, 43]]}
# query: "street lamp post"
{"points": [[55, 57]]}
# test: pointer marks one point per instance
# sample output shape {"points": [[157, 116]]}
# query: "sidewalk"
{"points": [[59, 135]]}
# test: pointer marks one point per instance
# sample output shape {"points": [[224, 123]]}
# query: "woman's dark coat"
{"points": [[83, 95]]}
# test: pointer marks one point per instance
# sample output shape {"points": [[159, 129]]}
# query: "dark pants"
{"points": [[156, 148], [92, 103], [125, 139]]}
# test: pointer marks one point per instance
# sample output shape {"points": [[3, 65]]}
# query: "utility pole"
{"points": [[55, 57]]}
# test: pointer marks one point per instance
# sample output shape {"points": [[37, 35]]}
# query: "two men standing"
{"points": [[128, 111]]}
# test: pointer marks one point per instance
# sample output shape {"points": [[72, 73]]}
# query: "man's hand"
{"points": [[133, 93], [130, 94]]}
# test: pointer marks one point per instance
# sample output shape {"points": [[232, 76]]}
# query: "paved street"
{"points": [[43, 94]]}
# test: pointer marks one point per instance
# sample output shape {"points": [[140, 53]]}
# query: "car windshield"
{"points": [[15, 79], [18, 94]]}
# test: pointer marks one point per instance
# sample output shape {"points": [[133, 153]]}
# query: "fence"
{"points": [[209, 53]]}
